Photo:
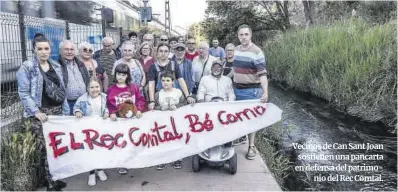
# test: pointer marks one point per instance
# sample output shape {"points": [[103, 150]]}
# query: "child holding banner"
{"points": [[169, 98], [92, 103], [121, 92]]}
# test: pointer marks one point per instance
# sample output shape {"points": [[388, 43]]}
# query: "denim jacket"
{"points": [[188, 74], [83, 105], [30, 85]]}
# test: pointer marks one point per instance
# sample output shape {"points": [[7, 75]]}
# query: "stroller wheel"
{"points": [[195, 163], [233, 164]]}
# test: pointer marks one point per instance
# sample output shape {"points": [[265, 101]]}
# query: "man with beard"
{"points": [[217, 51], [215, 85]]}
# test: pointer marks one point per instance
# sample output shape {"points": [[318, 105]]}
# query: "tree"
{"points": [[224, 17], [78, 12], [309, 11]]}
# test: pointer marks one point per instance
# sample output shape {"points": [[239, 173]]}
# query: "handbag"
{"points": [[53, 91]]}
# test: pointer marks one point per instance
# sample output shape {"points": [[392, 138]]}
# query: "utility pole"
{"points": [[167, 19]]}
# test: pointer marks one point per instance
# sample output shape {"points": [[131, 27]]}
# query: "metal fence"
{"points": [[16, 34]]}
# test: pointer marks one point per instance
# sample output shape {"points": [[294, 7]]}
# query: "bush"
{"points": [[350, 64], [19, 162]]}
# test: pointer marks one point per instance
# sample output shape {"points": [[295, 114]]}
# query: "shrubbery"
{"points": [[350, 64]]}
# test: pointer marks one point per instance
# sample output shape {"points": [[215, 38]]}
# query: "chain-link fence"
{"points": [[16, 34]]}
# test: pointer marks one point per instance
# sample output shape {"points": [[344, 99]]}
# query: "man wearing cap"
{"points": [[185, 66], [215, 85]]}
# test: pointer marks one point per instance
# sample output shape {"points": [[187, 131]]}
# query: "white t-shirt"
{"points": [[172, 97], [96, 106]]}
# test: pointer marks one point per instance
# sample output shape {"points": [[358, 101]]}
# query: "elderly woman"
{"points": [[144, 52], [85, 55], [228, 63], [42, 92], [136, 70]]}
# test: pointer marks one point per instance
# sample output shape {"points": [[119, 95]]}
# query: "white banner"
{"points": [[77, 145]]}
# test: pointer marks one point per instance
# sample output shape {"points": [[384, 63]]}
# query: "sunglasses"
{"points": [[164, 39], [180, 49], [87, 50]]}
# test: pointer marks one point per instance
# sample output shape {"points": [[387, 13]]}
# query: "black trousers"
{"points": [[36, 128]]}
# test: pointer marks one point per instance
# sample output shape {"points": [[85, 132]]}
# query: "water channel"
{"points": [[329, 149]]}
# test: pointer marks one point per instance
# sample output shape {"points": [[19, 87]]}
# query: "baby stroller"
{"points": [[217, 156]]}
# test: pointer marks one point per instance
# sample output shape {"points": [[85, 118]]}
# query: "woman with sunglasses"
{"points": [[85, 55]]}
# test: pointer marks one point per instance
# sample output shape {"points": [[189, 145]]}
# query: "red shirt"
{"points": [[117, 95], [147, 64], [191, 56]]}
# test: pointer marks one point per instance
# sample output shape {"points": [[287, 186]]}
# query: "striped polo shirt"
{"points": [[249, 66]]}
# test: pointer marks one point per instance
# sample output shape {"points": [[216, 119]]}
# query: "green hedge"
{"points": [[350, 64]]}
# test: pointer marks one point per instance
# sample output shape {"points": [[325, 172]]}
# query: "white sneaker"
{"points": [[102, 175], [91, 180]]}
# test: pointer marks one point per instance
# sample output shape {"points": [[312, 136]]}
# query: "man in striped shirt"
{"points": [[250, 76]]}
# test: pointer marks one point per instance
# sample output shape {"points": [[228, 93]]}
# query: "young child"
{"points": [[169, 98], [121, 92], [92, 103]]}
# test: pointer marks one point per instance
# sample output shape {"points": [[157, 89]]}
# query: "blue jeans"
{"points": [[71, 105], [249, 93]]}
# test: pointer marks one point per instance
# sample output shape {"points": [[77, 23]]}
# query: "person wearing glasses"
{"points": [[75, 74], [185, 66], [191, 49], [85, 55], [107, 56], [164, 38]]}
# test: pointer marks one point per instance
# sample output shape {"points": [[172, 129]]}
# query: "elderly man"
{"points": [[149, 38], [185, 66], [217, 51], [201, 65], [250, 75], [107, 56], [191, 50], [75, 74]]}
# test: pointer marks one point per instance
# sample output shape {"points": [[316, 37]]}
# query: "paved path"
{"points": [[251, 176]]}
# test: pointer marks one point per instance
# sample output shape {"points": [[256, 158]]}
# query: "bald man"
{"points": [[201, 65], [107, 56]]}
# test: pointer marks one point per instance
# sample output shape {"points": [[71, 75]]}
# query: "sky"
{"points": [[183, 12]]}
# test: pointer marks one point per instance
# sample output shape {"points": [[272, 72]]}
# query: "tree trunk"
{"points": [[286, 14], [308, 11]]}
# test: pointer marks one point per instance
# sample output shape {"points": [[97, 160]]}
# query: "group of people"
{"points": [[163, 77]]}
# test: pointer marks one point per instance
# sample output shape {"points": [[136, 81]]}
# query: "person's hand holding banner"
{"points": [[79, 145]]}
